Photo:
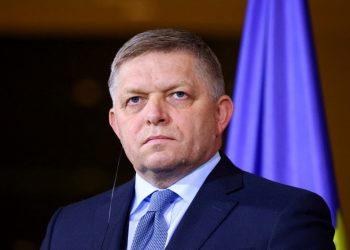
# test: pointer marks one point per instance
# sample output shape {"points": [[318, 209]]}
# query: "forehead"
{"points": [[175, 58], [158, 68]]}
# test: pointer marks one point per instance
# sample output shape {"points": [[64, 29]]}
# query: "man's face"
{"points": [[164, 116]]}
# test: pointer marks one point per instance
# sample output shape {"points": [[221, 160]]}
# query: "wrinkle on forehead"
{"points": [[158, 70]]}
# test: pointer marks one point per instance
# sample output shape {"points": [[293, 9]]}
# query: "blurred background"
{"points": [[55, 59]]}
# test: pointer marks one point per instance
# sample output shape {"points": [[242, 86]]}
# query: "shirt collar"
{"points": [[186, 188], [143, 189]]}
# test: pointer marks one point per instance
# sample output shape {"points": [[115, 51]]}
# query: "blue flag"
{"points": [[278, 128]]}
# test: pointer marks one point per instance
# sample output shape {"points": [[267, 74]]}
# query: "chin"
{"points": [[163, 162]]}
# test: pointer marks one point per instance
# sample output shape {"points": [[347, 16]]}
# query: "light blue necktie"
{"points": [[152, 230]]}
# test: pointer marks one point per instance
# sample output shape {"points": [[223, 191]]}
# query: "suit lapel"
{"points": [[209, 208], [113, 234]]}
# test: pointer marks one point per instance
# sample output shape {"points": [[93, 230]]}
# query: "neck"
{"points": [[164, 178]]}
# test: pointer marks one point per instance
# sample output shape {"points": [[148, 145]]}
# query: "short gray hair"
{"points": [[169, 40]]}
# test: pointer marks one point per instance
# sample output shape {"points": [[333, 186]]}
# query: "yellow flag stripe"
{"points": [[340, 237]]}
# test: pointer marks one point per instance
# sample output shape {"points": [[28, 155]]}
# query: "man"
{"points": [[169, 112]]}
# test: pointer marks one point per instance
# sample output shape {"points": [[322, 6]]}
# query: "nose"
{"points": [[156, 112]]}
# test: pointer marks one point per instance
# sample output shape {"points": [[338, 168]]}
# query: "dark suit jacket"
{"points": [[232, 210]]}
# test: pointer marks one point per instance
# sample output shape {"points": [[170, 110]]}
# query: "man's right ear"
{"points": [[113, 121]]}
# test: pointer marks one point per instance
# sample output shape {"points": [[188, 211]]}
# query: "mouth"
{"points": [[157, 138]]}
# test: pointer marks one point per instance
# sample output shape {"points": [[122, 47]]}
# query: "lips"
{"points": [[157, 138]]}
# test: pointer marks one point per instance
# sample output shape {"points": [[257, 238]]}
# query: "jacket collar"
{"points": [[209, 208]]}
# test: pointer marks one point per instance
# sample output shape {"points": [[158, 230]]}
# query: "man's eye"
{"points": [[180, 95], [134, 100]]}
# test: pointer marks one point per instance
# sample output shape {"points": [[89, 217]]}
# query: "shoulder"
{"points": [[296, 218], [74, 222], [301, 219], [263, 192], [264, 189], [267, 195], [88, 207], [86, 219]]}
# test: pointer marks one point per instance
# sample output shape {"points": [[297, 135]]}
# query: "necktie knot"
{"points": [[152, 230], [160, 200]]}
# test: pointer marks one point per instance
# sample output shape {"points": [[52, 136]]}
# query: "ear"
{"points": [[224, 113], [113, 121]]}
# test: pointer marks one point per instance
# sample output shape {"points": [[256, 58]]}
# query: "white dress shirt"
{"points": [[186, 189]]}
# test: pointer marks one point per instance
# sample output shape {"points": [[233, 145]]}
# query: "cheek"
{"points": [[197, 128], [128, 130], [128, 139]]}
